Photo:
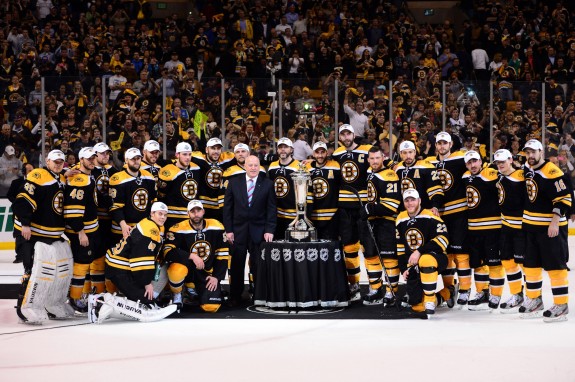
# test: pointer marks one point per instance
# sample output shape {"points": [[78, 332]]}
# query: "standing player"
{"points": [[352, 159], [133, 191], [213, 164], [325, 181], [179, 184], [511, 187], [38, 228], [545, 224], [151, 153], [197, 256], [101, 174], [381, 210], [421, 245], [484, 225], [81, 217], [279, 173], [450, 168]]}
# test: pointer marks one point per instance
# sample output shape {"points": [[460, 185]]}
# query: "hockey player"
{"points": [[179, 184], [421, 245], [325, 181], [484, 225], [381, 210], [450, 167], [545, 224], [130, 267], [151, 153], [241, 153], [81, 218], [511, 188], [38, 228], [197, 255], [279, 173], [133, 191], [101, 174], [352, 159], [213, 164], [420, 175]]}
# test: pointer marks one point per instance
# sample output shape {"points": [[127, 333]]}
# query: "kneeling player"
{"points": [[197, 256], [130, 266], [425, 236]]}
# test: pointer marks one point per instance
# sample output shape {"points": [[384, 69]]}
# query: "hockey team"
{"points": [[107, 243]]}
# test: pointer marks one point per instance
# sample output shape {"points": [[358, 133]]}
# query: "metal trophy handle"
{"points": [[301, 229]]}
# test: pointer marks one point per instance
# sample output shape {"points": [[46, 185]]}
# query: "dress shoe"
{"points": [[17, 260]]}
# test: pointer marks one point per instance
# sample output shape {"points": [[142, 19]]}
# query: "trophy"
{"points": [[301, 228]]}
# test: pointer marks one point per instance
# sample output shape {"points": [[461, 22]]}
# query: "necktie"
{"points": [[250, 191]]}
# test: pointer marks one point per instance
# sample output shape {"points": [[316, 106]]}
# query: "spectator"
{"points": [[10, 168]]}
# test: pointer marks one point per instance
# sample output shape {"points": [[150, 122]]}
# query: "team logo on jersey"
{"points": [[320, 188], [103, 184], [407, 183], [140, 199], [371, 192], [201, 248], [58, 203], [473, 197], [414, 238], [531, 189], [349, 171], [446, 179], [170, 236], [500, 193], [189, 189], [214, 177], [281, 186]]}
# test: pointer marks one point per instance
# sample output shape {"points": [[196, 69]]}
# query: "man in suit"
{"points": [[249, 218]]}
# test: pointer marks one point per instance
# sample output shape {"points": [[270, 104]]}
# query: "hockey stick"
{"points": [[370, 229]]}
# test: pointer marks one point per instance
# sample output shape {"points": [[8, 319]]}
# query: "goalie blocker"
{"points": [[44, 293]]}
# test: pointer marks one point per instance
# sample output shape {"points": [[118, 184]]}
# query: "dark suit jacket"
{"points": [[249, 222]]}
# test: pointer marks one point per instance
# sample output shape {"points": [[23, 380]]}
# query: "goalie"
{"points": [[47, 258], [130, 268]]}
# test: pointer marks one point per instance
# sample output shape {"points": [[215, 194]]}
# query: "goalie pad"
{"points": [[56, 304], [104, 306], [37, 294]]}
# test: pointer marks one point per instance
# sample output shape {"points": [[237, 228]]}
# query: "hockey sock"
{"points": [[352, 262], [176, 275], [481, 278], [374, 272], [559, 286], [428, 274], [496, 280], [463, 271], [87, 284], [514, 276], [97, 275], [392, 269], [110, 287], [533, 282], [449, 273], [77, 284]]}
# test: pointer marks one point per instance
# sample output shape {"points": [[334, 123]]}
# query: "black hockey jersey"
{"points": [[425, 232], [102, 175], [177, 187], [546, 191], [132, 196], [182, 240], [450, 172], [138, 253], [81, 204], [280, 175], [40, 205], [483, 214], [354, 167], [325, 182], [511, 191], [383, 194], [213, 173], [423, 177], [153, 169]]}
